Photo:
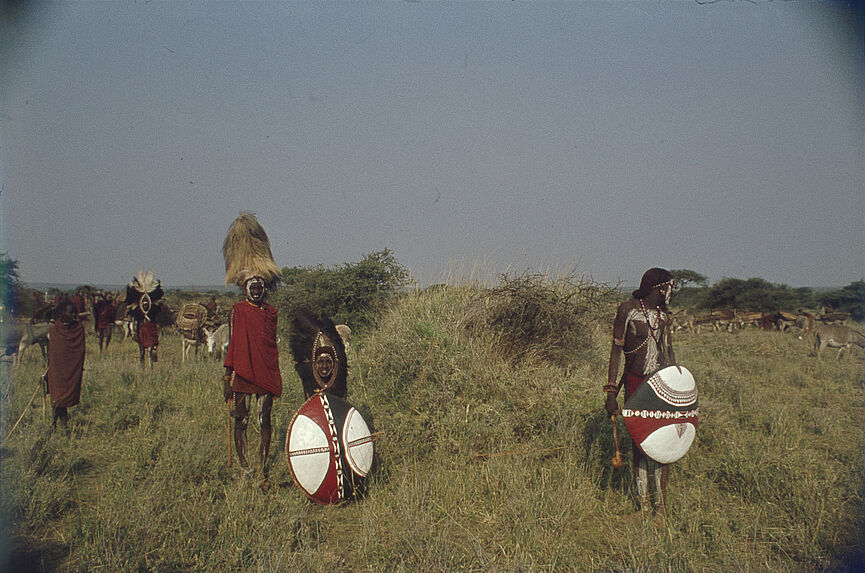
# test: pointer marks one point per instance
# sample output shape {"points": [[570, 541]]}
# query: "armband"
{"points": [[226, 377], [611, 388]]}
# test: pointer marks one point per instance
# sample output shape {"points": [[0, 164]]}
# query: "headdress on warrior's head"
{"points": [[143, 291], [144, 281], [247, 253], [652, 278], [318, 349]]}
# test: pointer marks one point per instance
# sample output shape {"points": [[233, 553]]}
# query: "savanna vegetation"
{"points": [[493, 453]]}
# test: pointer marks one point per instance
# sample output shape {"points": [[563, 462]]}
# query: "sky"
{"points": [[470, 138]]}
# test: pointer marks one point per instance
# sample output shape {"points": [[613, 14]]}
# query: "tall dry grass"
{"points": [[483, 463]]}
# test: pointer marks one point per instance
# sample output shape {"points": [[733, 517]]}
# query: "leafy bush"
{"points": [[353, 293], [534, 316], [849, 299]]}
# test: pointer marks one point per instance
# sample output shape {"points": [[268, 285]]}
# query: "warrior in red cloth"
{"points": [[252, 359], [141, 296], [66, 350], [103, 319], [641, 331]]}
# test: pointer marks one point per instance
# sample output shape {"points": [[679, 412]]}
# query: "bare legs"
{"points": [[241, 421]]}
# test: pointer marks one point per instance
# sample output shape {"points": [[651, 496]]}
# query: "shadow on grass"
{"points": [[34, 556]]}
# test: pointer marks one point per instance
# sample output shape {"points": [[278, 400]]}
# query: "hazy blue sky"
{"points": [[725, 137]]}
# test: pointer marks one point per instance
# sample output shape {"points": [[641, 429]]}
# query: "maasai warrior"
{"points": [[141, 295], [252, 359], [66, 350], [641, 332], [103, 315]]}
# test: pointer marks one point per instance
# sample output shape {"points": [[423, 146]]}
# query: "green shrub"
{"points": [[352, 293]]}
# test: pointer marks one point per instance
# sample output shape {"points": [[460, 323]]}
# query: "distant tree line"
{"points": [[760, 295]]}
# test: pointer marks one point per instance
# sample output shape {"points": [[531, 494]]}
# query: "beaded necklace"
{"points": [[652, 329]]}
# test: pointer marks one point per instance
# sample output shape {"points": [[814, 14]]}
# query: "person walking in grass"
{"points": [[66, 351], [641, 332], [103, 319]]}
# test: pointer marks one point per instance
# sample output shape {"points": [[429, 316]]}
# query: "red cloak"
{"points": [[104, 311], [252, 351], [65, 363], [148, 334]]}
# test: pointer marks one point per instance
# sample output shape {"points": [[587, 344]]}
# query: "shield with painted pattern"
{"points": [[661, 415], [329, 448]]}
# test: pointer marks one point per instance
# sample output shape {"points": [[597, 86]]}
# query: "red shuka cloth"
{"points": [[252, 351], [148, 334], [104, 311], [632, 380], [65, 363]]}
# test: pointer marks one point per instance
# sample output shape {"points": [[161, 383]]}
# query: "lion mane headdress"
{"points": [[318, 349], [247, 253]]}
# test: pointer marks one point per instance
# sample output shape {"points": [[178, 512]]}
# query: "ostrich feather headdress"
{"points": [[144, 281], [247, 253]]}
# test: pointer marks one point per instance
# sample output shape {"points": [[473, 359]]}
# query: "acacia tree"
{"points": [[685, 277]]}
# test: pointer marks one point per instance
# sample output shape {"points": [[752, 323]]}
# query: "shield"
{"points": [[329, 449], [661, 415]]}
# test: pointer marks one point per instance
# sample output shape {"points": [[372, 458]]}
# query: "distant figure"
{"points": [[66, 350], [103, 319], [641, 332], [141, 295], [80, 302], [212, 306]]}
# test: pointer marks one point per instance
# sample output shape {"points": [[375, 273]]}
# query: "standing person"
{"points": [[212, 307], [66, 350], [641, 332], [252, 359], [141, 296], [103, 318]]}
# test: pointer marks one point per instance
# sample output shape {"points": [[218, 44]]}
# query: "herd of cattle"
{"points": [[725, 319]]}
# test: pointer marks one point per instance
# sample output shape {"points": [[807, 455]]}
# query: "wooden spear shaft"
{"points": [[228, 426], [21, 417], [616, 462]]}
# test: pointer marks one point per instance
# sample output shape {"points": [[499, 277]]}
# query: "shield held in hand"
{"points": [[661, 415]]}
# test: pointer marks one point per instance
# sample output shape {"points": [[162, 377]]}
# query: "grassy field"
{"points": [[483, 463]]}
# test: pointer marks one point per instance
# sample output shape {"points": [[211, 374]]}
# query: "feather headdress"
{"points": [[247, 253], [144, 281]]}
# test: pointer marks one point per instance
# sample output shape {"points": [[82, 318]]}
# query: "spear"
{"points": [[616, 462], [33, 397]]}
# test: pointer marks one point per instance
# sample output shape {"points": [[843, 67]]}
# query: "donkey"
{"points": [[217, 340], [837, 336]]}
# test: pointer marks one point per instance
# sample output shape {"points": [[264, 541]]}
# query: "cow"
{"points": [[837, 336]]}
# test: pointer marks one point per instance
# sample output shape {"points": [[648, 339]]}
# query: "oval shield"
{"points": [[661, 415], [329, 448]]}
